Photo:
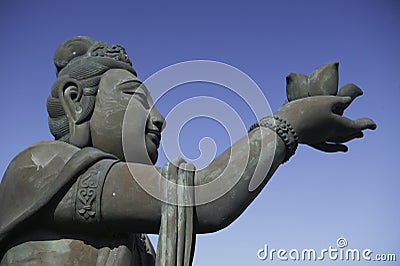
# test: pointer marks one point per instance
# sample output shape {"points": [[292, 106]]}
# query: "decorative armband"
{"points": [[284, 131], [88, 192]]}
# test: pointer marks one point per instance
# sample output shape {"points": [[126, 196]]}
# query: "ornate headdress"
{"points": [[85, 46]]}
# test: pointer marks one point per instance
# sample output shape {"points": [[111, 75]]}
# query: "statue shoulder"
{"points": [[41, 160], [42, 155], [29, 178], [38, 174]]}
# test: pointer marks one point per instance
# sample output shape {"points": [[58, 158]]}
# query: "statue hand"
{"points": [[323, 81], [318, 120]]}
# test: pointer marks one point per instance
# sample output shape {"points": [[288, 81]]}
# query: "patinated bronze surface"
{"points": [[73, 201]]}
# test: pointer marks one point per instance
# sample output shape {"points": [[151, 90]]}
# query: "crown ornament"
{"points": [[116, 52]]}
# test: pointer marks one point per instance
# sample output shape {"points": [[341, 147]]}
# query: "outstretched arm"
{"points": [[128, 208]]}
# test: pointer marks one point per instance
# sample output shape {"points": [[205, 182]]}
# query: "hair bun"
{"points": [[71, 48]]}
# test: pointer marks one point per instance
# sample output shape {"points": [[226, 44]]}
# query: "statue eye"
{"points": [[135, 88], [143, 99], [129, 87]]}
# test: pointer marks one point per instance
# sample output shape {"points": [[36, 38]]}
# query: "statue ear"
{"points": [[71, 98], [71, 95]]}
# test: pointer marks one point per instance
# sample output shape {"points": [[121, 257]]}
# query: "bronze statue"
{"points": [[73, 201]]}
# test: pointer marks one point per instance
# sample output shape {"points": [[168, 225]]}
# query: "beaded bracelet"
{"points": [[284, 131]]}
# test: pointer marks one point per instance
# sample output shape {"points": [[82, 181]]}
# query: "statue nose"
{"points": [[157, 120]]}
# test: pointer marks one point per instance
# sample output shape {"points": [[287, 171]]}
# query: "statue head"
{"points": [[88, 100]]}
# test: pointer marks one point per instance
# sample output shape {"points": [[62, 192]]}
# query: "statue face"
{"points": [[117, 89]]}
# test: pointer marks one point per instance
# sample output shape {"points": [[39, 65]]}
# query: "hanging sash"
{"points": [[176, 242]]}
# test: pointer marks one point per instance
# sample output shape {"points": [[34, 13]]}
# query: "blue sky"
{"points": [[311, 200]]}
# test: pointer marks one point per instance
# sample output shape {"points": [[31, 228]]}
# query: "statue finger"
{"points": [[348, 126], [330, 147], [324, 80], [296, 86], [363, 124]]}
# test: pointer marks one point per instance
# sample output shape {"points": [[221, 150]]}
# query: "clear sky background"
{"points": [[313, 199]]}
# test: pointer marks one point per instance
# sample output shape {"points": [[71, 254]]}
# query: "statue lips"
{"points": [[155, 136]]}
